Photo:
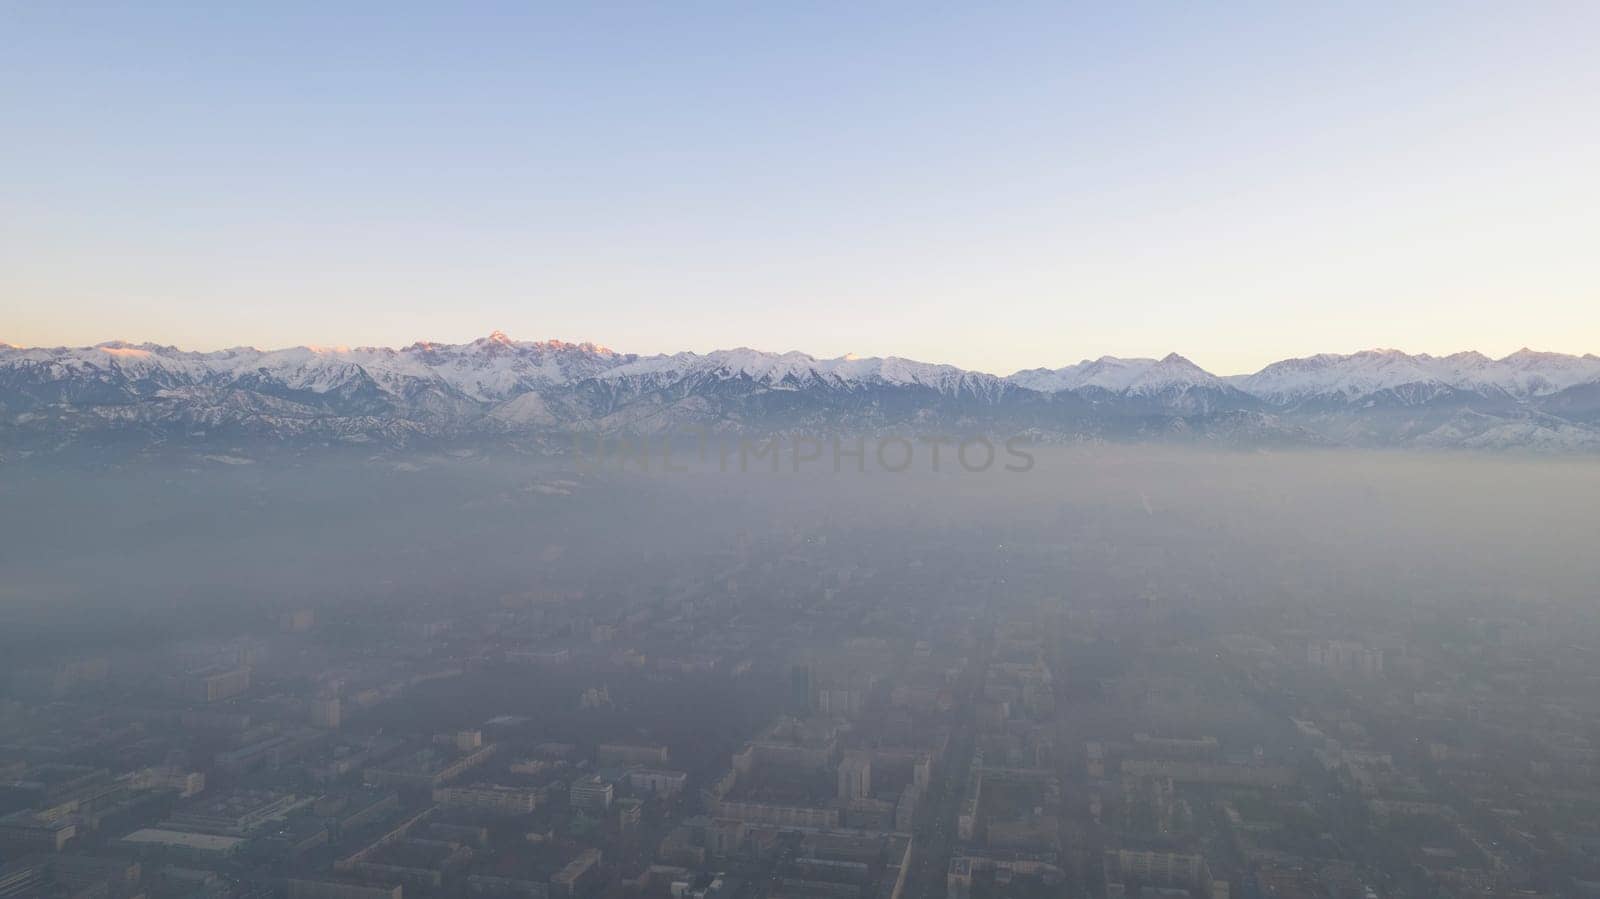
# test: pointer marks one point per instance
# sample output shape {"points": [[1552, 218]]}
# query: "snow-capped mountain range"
{"points": [[499, 388], [1523, 375]]}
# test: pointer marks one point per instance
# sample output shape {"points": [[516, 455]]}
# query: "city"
{"points": [[1064, 450], [843, 711]]}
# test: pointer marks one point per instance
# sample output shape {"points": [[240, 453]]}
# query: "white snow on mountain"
{"points": [[134, 361], [795, 371], [489, 368], [498, 385], [1134, 376], [1522, 375], [496, 368]]}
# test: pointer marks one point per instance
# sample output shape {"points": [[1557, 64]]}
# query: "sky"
{"points": [[997, 186]]}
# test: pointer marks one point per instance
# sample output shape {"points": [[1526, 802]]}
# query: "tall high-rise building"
{"points": [[855, 776], [215, 685], [325, 711], [801, 690], [590, 794]]}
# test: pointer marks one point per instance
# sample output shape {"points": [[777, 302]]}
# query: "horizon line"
{"points": [[498, 336]]}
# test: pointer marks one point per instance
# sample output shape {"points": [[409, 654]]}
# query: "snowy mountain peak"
{"points": [[130, 345], [495, 342], [499, 341], [1117, 375], [794, 370], [1520, 375]]}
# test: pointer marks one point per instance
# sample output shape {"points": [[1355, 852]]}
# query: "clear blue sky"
{"points": [[998, 186]]}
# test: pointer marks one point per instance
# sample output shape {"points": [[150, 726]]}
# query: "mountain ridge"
{"points": [[498, 387]]}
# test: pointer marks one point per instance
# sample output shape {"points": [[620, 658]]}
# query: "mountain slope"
{"points": [[498, 388]]}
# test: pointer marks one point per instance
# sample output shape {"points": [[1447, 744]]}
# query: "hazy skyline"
{"points": [[995, 189]]}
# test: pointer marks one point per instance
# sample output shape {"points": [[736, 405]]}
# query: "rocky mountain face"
{"points": [[496, 388]]}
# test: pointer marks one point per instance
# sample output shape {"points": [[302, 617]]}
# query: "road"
{"points": [[935, 830]]}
